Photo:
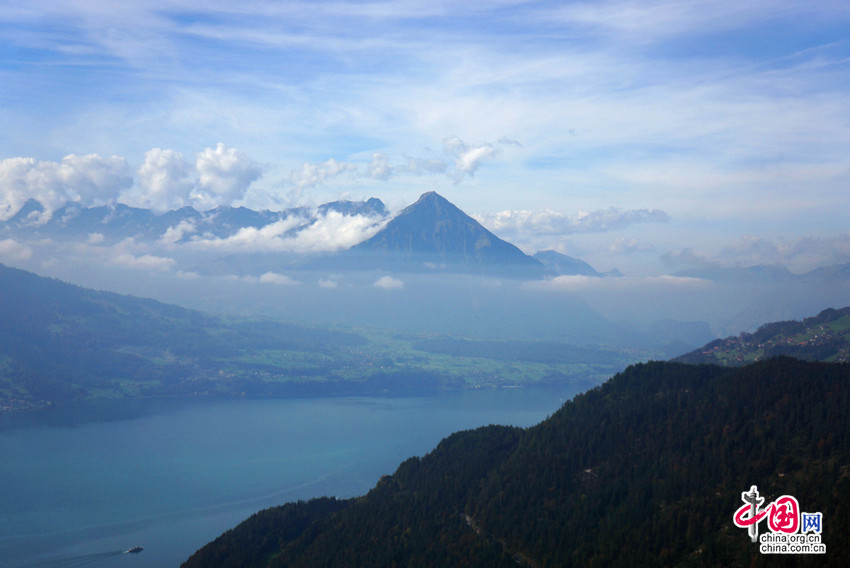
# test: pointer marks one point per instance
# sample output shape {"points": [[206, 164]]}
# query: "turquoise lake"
{"points": [[80, 485]]}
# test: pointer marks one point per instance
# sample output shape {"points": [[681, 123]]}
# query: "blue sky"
{"points": [[631, 133]]}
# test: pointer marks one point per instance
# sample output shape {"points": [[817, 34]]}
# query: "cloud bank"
{"points": [[522, 223], [328, 232], [164, 181], [87, 179]]}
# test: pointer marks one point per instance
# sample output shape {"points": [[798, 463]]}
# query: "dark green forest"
{"points": [[644, 470]]}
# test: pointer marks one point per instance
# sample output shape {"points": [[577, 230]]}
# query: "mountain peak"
{"points": [[432, 203], [432, 196], [433, 233]]}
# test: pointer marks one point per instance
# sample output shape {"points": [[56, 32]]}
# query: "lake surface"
{"points": [[80, 485]]}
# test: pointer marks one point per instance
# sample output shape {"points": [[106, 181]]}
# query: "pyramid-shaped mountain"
{"points": [[434, 235]]}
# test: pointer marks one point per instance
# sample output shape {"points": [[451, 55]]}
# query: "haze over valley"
{"points": [[430, 267]]}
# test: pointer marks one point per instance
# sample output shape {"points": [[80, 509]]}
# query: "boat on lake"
{"points": [[134, 550]]}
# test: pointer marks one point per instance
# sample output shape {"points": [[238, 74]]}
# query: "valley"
{"points": [[63, 343]]}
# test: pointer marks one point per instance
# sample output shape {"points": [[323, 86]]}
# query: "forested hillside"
{"points": [[645, 470]]}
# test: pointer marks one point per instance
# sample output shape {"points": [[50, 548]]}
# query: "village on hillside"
{"points": [[813, 339]]}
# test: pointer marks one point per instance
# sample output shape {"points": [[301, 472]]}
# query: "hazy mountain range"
{"points": [[431, 235], [446, 272], [116, 221]]}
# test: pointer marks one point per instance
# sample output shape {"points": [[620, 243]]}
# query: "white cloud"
{"points": [[467, 157], [223, 176], [279, 279], [330, 232], [143, 262], [14, 251], [388, 283], [85, 179], [177, 233], [328, 283], [251, 239], [92, 178], [334, 231], [465, 161], [164, 181]]}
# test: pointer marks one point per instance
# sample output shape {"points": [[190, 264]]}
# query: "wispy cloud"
{"points": [[310, 175], [642, 21], [462, 160], [467, 157]]}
